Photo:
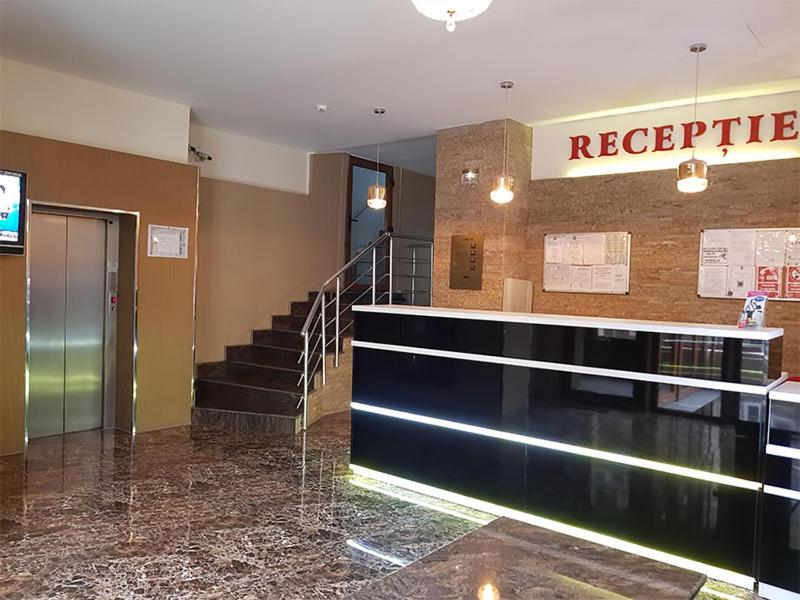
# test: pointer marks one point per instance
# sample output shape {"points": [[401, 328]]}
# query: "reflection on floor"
{"points": [[184, 514]]}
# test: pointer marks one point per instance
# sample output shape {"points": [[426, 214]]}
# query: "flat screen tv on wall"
{"points": [[13, 205]]}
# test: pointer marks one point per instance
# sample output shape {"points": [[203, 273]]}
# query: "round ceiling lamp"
{"points": [[376, 194], [503, 191], [451, 11], [693, 173]]}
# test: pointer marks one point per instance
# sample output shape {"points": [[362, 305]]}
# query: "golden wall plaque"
{"points": [[466, 262]]}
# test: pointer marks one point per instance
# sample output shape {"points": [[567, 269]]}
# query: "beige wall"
{"points": [[261, 248], [162, 193], [413, 202]]}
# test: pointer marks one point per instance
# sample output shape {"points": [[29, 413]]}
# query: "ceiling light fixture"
{"points": [[503, 191], [693, 173], [451, 11], [376, 194]]}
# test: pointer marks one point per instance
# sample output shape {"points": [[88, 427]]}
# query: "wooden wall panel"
{"points": [[162, 193]]}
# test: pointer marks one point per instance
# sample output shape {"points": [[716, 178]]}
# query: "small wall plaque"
{"points": [[466, 262]]}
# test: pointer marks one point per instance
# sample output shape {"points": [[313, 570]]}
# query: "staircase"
{"points": [[265, 385]]}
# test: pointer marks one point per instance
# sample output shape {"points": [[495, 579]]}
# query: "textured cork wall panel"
{"points": [[466, 209], [665, 226]]}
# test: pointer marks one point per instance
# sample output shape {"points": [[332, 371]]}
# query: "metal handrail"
{"points": [[316, 314]]}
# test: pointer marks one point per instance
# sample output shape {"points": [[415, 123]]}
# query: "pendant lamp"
{"points": [[503, 190], [451, 11], [376, 194], [693, 173]]}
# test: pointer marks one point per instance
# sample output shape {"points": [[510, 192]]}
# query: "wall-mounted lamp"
{"points": [[470, 176]]}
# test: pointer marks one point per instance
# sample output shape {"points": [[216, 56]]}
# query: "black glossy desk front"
{"points": [[605, 413]]}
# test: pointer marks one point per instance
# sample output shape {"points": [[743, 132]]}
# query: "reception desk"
{"points": [[643, 435]]}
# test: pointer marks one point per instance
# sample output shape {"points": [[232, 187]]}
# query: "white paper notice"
{"points": [[553, 249], [620, 285], [573, 252], [602, 278], [581, 279], [713, 281], [741, 279], [616, 249], [742, 247], [793, 248], [167, 242], [770, 248], [556, 277], [716, 245], [594, 249]]}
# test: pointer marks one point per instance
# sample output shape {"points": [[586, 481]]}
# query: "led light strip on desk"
{"points": [[744, 388], [622, 459], [577, 532]]}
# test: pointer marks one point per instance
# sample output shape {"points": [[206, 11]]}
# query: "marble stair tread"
{"points": [[251, 374], [295, 323], [286, 338], [225, 393], [523, 561], [288, 358]]}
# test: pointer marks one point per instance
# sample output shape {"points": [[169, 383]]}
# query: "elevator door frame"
{"points": [[110, 333]]}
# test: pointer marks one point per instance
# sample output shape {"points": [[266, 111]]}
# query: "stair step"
{"points": [[295, 323], [264, 355], [289, 339], [253, 374], [224, 393], [300, 309]]}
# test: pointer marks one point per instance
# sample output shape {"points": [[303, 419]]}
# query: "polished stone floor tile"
{"points": [[514, 561], [183, 514]]}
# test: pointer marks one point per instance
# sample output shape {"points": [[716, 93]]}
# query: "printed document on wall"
{"points": [[587, 262]]}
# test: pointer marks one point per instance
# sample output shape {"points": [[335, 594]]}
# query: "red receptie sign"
{"points": [[792, 286], [768, 280]]}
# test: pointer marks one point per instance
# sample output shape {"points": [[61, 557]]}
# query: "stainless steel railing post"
{"points": [[336, 336], [305, 380], [374, 262], [390, 269], [413, 275], [430, 278], [322, 333]]}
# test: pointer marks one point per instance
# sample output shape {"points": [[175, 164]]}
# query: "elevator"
{"points": [[73, 303]]}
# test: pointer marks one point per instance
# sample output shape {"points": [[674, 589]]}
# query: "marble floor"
{"points": [[193, 514]]}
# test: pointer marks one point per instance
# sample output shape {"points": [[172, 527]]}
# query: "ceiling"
{"points": [[259, 68]]}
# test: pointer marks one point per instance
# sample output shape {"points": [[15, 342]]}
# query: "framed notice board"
{"points": [[590, 263], [736, 261]]}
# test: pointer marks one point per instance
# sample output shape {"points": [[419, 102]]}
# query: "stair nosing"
{"points": [[212, 379], [249, 412], [259, 365]]}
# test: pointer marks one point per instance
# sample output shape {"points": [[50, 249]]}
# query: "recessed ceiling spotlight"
{"points": [[322, 108]]}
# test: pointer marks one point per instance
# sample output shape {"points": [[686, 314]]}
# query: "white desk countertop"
{"points": [[728, 331], [788, 392]]}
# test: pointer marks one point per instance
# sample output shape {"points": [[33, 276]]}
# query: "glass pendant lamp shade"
{"points": [[692, 176], [503, 191], [376, 197], [451, 11], [693, 173]]}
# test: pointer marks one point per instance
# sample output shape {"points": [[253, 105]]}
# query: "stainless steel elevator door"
{"points": [[67, 270], [48, 264], [84, 326]]}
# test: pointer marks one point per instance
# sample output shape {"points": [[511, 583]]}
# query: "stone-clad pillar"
{"points": [[467, 209]]}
